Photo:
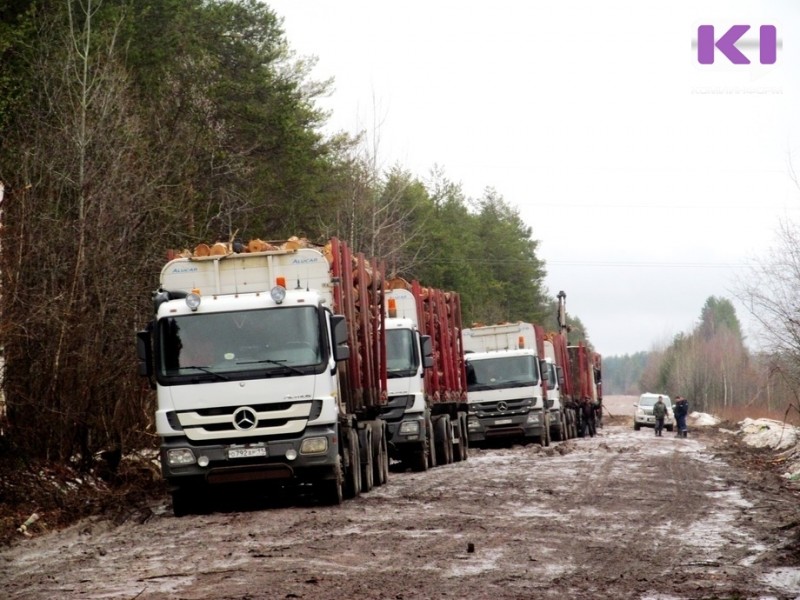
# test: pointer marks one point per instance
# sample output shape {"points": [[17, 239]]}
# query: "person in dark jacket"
{"points": [[681, 412], [659, 412]]}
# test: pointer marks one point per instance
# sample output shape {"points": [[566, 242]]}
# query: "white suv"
{"points": [[643, 413]]}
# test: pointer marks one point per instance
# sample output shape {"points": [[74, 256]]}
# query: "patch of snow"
{"points": [[478, 563], [767, 433], [786, 579], [698, 419]]}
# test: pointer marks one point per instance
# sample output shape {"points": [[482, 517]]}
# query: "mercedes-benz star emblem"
{"points": [[245, 418], [502, 406]]}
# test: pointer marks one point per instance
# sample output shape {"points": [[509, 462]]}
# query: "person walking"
{"points": [[681, 412], [659, 412]]}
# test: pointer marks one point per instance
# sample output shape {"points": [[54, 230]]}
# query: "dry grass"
{"points": [[734, 414]]}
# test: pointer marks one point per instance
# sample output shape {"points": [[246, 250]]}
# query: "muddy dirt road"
{"points": [[621, 515]]}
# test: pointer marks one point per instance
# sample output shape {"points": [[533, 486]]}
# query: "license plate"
{"points": [[246, 452], [503, 421]]}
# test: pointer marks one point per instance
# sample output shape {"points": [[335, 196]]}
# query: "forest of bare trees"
{"points": [[132, 128], [127, 129]]}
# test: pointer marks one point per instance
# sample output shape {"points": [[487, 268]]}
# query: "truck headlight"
{"points": [[180, 457], [278, 293], [315, 445], [533, 418], [193, 300], [473, 423], [409, 428]]}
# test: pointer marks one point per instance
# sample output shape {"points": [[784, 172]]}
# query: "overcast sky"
{"points": [[650, 180]]}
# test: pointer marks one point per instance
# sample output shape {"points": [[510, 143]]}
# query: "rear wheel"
{"points": [[458, 439], [465, 439], [444, 440], [381, 463], [636, 427], [367, 458]]}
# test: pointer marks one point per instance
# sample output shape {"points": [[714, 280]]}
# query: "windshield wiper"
{"points": [[279, 363], [207, 370]]}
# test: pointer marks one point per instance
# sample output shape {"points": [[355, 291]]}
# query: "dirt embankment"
{"points": [[621, 515]]}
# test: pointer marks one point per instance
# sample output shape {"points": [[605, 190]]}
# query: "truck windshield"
{"points": [[280, 339], [501, 372], [402, 359]]}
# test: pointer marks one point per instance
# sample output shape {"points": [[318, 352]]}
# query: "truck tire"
{"points": [[433, 455], [636, 426], [556, 431], [183, 502], [367, 458], [544, 439], [460, 449], [465, 439], [458, 437], [424, 457], [330, 492], [381, 462], [352, 487], [443, 437]]}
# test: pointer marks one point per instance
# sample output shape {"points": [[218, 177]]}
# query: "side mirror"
{"points": [[560, 376], [427, 351], [543, 369], [341, 351]]}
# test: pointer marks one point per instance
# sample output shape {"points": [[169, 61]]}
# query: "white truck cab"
{"points": [[504, 383]]}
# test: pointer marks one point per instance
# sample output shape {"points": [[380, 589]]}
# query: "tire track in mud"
{"points": [[586, 518]]}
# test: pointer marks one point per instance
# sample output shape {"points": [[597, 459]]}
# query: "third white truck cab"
{"points": [[504, 383]]}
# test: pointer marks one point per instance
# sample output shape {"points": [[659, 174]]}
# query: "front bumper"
{"points": [[530, 425], [270, 460], [405, 435]]}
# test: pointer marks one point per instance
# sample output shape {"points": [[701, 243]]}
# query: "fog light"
{"points": [[315, 445], [180, 457], [291, 454], [202, 461], [409, 428]]}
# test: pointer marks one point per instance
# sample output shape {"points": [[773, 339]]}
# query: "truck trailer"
{"points": [[505, 391], [269, 370], [426, 412]]}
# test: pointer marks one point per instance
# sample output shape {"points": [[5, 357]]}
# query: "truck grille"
{"points": [[235, 422], [520, 406]]}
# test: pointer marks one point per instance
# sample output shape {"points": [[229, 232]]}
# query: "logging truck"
{"points": [[269, 370], [581, 373], [426, 411]]}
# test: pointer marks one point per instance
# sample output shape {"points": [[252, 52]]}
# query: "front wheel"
{"points": [[331, 491], [353, 477]]}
